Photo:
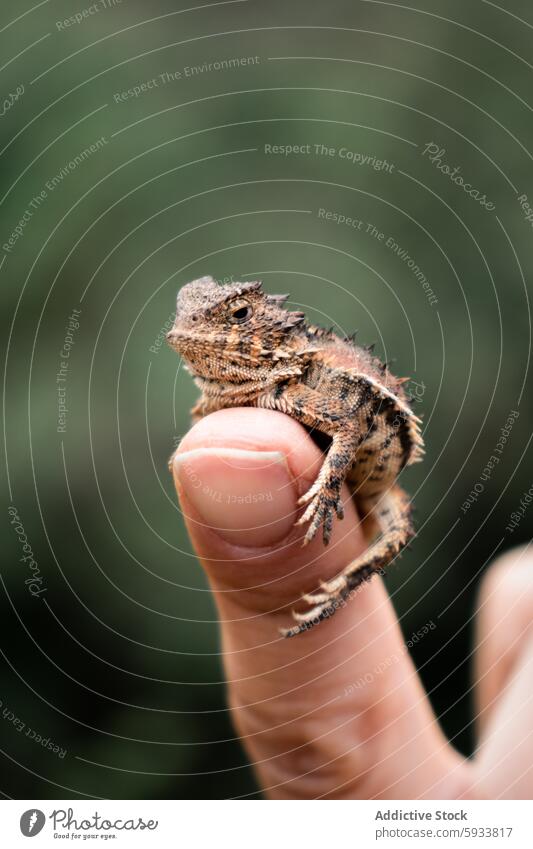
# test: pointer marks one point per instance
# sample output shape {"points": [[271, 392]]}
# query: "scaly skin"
{"points": [[244, 349]]}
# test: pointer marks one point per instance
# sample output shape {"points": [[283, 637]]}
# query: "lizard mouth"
{"points": [[191, 345], [179, 340], [183, 340]]}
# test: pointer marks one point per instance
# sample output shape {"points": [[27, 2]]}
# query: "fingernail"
{"points": [[247, 497]]}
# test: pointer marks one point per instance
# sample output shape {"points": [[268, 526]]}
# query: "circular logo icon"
{"points": [[32, 822]]}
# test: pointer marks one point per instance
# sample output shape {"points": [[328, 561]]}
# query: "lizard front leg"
{"points": [[309, 407], [323, 499], [392, 512]]}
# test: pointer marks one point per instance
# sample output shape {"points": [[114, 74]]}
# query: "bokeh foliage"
{"points": [[118, 662]]}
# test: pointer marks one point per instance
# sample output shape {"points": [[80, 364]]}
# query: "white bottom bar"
{"points": [[266, 825]]}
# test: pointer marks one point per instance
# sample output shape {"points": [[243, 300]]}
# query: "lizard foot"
{"points": [[325, 604], [321, 510]]}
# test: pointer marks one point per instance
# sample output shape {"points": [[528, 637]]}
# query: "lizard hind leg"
{"points": [[392, 513]]}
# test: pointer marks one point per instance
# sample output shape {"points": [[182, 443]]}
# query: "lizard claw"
{"points": [[311, 617], [308, 513], [310, 494], [330, 591], [321, 511], [307, 616], [315, 598]]}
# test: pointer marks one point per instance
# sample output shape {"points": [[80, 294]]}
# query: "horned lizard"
{"points": [[245, 349]]}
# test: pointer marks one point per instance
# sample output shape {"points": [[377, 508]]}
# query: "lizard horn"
{"points": [[248, 286], [277, 300]]}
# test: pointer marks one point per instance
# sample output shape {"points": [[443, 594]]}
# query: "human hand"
{"points": [[314, 716]]}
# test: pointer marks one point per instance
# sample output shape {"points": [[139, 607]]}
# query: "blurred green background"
{"points": [[116, 661]]}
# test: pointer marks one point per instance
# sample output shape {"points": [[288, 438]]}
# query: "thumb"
{"points": [[336, 711]]}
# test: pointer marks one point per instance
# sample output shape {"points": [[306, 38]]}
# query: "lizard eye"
{"points": [[241, 311]]}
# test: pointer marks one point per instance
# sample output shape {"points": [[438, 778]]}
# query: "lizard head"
{"points": [[228, 332]]}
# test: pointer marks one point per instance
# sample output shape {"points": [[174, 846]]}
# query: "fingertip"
{"points": [[239, 474], [247, 497], [241, 470], [253, 429]]}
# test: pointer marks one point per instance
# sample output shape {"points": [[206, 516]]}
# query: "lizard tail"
{"points": [[391, 511]]}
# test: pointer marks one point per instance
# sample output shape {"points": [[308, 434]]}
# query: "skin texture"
{"points": [[245, 349], [309, 731]]}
